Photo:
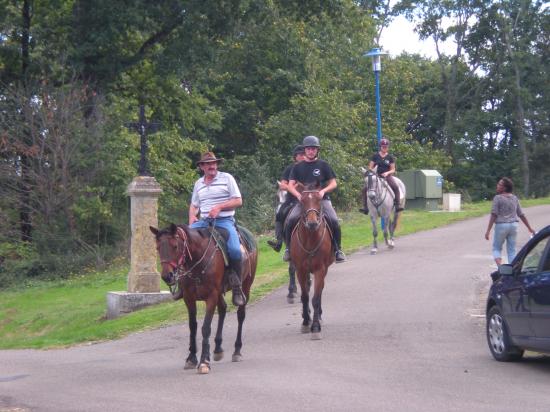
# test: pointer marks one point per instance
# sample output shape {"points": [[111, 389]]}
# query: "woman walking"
{"points": [[504, 214]]}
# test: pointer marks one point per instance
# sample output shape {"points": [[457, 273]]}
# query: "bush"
{"points": [[258, 192], [18, 261]]}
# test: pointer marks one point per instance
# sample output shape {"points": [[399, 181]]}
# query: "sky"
{"points": [[399, 36]]}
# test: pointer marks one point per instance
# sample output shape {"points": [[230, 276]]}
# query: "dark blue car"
{"points": [[518, 306]]}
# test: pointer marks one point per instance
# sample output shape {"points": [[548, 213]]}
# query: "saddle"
{"points": [[221, 237]]}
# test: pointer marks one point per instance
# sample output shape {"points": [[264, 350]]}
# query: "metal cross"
{"points": [[142, 127]]}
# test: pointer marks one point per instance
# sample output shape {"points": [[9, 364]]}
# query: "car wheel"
{"points": [[498, 338]]}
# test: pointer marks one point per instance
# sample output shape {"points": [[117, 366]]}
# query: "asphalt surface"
{"points": [[403, 330]]}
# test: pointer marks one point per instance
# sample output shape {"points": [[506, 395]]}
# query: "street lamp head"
{"points": [[375, 53]]}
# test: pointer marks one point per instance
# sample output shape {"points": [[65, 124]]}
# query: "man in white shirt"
{"points": [[216, 196]]}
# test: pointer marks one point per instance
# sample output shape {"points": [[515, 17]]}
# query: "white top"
{"points": [[221, 189]]}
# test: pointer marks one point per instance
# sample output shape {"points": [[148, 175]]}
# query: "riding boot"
{"points": [[235, 271], [365, 208], [288, 235], [277, 244], [397, 202], [339, 254]]}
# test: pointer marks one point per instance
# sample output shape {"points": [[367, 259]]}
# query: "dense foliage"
{"points": [[248, 79]]}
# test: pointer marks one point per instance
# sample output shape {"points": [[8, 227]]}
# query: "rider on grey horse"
{"points": [[385, 167]]}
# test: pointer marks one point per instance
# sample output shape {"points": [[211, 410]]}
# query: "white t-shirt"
{"points": [[221, 189]]}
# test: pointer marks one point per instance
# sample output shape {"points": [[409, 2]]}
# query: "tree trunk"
{"points": [[519, 114], [24, 208]]}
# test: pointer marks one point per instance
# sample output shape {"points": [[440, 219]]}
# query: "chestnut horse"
{"points": [[194, 266], [311, 251]]}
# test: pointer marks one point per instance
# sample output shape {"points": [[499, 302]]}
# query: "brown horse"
{"points": [[311, 251], [194, 266]]}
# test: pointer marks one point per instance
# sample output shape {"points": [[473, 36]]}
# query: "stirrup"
{"points": [[286, 256], [238, 298], [340, 256]]}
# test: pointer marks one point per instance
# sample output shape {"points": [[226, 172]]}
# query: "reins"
{"points": [[180, 271], [377, 190], [311, 252]]}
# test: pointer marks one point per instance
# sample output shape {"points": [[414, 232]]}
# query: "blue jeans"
{"points": [[505, 232], [233, 243]]}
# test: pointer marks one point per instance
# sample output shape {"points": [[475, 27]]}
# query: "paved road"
{"points": [[402, 331]]}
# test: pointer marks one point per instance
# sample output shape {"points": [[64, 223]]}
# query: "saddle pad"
{"points": [[247, 238], [218, 236]]}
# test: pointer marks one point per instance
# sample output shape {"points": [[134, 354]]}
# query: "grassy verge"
{"points": [[61, 313]]}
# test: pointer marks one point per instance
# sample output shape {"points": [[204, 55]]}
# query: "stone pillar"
{"points": [[143, 278]]}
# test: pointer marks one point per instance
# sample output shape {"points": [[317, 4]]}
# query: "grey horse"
{"points": [[380, 203]]}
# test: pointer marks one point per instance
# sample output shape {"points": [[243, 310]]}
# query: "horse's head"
{"points": [[282, 195], [170, 247], [311, 205], [371, 181]]}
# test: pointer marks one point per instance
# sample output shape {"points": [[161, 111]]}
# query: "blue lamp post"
{"points": [[375, 54]]}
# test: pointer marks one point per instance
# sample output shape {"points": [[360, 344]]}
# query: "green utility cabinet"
{"points": [[424, 188]]}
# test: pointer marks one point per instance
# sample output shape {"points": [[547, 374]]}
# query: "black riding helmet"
{"points": [[311, 141], [299, 149]]}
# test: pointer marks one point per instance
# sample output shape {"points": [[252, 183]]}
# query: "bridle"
{"points": [[374, 192], [318, 212], [320, 220], [179, 267]]}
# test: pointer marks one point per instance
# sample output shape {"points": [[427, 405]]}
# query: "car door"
{"points": [[515, 305], [538, 291]]}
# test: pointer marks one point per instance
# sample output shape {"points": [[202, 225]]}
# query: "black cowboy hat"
{"points": [[209, 157]]}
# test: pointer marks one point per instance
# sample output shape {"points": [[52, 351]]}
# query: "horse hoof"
{"points": [[203, 369], [218, 356], [315, 335], [373, 251], [305, 329], [290, 300], [237, 357], [391, 246], [190, 365]]}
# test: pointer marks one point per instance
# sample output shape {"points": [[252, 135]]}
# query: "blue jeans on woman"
{"points": [[233, 243], [505, 232]]}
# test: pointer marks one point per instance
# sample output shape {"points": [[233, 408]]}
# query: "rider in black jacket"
{"points": [[299, 155]]}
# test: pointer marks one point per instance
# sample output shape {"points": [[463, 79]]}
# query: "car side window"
{"points": [[546, 264], [532, 259]]}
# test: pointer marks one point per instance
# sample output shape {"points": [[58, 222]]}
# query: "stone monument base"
{"points": [[121, 303]]}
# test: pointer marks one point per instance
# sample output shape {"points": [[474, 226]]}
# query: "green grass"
{"points": [[67, 312]]}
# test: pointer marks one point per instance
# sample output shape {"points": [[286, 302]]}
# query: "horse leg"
{"points": [[305, 283], [374, 249], [392, 225], [204, 365], [386, 227], [222, 310], [316, 301], [292, 290], [191, 361], [241, 314]]}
